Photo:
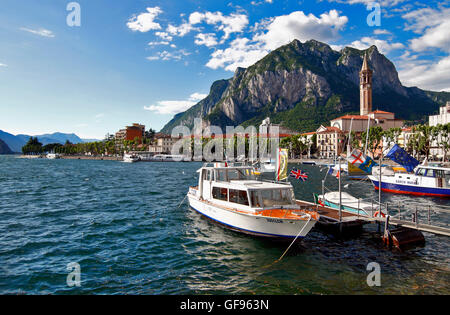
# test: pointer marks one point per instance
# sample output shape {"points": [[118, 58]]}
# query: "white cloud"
{"points": [[164, 35], [175, 107], [209, 40], [426, 75], [145, 22], [283, 29], [241, 53], [383, 3], [275, 32], [379, 31], [383, 46], [41, 32], [181, 30], [158, 43], [197, 97], [166, 55], [233, 23], [434, 27], [3, 65]]}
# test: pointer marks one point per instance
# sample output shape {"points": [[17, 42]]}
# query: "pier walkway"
{"points": [[421, 217]]}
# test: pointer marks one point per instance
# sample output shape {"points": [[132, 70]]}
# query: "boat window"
{"points": [[220, 193], [233, 175], [209, 175], [421, 172], [430, 173], [221, 176], [276, 197], [239, 197], [254, 196]]}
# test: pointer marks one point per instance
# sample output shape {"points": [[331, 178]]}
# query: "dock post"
{"points": [[417, 218], [340, 197]]}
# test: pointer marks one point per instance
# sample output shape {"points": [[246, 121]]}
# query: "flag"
{"points": [[298, 174], [400, 156], [282, 161], [368, 165], [357, 157], [317, 200], [334, 172]]}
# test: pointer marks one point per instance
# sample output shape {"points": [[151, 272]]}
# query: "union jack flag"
{"points": [[298, 174]]}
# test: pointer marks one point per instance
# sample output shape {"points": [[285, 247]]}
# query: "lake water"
{"points": [[121, 223]]}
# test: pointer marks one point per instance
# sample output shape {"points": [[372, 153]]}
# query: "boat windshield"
{"points": [[235, 174], [276, 197]]}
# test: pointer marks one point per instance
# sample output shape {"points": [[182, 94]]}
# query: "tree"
{"points": [[391, 136], [33, 146], [375, 139]]}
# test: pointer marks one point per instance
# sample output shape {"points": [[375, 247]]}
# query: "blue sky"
{"points": [[143, 61]]}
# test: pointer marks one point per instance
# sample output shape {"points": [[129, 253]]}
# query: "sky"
{"points": [[91, 67]]}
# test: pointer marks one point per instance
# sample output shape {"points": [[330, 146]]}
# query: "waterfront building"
{"points": [[131, 132], [330, 142], [442, 118], [163, 144]]}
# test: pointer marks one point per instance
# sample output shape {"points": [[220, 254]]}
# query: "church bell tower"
{"points": [[365, 78]]}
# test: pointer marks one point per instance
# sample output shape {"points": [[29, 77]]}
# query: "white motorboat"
{"points": [[349, 203], [231, 196], [425, 181], [53, 156], [130, 158]]}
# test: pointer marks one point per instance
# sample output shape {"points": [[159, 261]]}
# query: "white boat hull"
{"points": [[252, 224]]}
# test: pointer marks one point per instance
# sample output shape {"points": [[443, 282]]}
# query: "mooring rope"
{"points": [[279, 259]]}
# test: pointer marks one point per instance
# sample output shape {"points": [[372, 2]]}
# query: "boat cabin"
{"points": [[426, 176], [237, 187]]}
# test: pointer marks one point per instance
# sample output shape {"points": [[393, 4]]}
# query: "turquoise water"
{"points": [[121, 223]]}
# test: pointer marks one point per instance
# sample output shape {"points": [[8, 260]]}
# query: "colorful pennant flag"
{"points": [[368, 165], [332, 171], [357, 157], [400, 156], [282, 162]]}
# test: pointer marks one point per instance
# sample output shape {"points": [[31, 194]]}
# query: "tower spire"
{"points": [[365, 78], [365, 65]]}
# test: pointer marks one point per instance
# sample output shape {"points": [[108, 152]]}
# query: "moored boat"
{"points": [[425, 181], [130, 158], [231, 196], [349, 203]]}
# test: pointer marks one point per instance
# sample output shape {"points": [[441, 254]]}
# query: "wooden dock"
{"points": [[330, 217], [330, 220]]}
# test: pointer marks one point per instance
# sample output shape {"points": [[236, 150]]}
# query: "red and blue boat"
{"points": [[425, 181]]}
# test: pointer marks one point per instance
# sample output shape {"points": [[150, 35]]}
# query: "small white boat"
{"points": [[130, 158], [425, 181], [230, 196], [53, 156], [349, 203], [267, 166]]}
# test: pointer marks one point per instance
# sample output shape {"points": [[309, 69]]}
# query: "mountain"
{"points": [[15, 143], [304, 85], [4, 149]]}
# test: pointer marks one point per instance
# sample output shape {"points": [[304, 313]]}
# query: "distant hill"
{"points": [[15, 143], [4, 149], [304, 85]]}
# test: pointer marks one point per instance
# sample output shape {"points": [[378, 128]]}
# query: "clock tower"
{"points": [[365, 86]]}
